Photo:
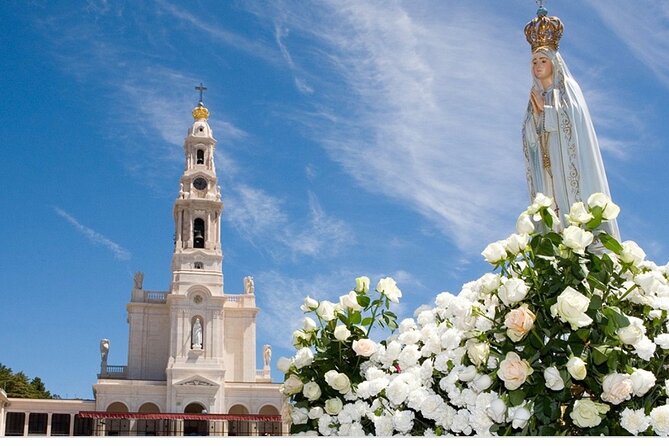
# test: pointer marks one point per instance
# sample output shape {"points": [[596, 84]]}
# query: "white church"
{"points": [[192, 366]]}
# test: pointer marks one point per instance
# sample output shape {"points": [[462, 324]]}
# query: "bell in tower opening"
{"points": [[198, 233], [200, 157]]}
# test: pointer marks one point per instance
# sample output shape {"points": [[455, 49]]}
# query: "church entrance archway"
{"points": [[266, 428], [195, 427], [238, 427], [149, 428], [116, 427]]}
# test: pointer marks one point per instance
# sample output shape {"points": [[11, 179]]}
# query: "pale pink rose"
{"points": [[514, 371], [616, 388], [519, 322], [364, 347]]}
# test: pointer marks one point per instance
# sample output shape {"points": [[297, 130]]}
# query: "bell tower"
{"points": [[198, 257]]}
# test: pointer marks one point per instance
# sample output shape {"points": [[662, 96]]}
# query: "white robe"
{"points": [[576, 167]]}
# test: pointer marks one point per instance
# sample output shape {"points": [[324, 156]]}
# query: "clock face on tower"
{"points": [[200, 183]]}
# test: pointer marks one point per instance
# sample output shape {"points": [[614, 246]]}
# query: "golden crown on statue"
{"points": [[544, 31]]}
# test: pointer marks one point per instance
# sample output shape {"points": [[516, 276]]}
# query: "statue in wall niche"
{"points": [[104, 351], [139, 280], [249, 287], [267, 355], [197, 334]]}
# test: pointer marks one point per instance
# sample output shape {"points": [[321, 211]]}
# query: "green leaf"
{"points": [[616, 316], [356, 317], [367, 321], [610, 243], [363, 300], [600, 354], [516, 397]]}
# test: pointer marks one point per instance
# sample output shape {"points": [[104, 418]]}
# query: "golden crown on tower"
{"points": [[200, 112], [544, 31]]}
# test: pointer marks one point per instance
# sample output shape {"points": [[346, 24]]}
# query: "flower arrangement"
{"points": [[568, 335]]}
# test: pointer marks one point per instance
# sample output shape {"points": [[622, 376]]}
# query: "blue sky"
{"points": [[354, 137]]}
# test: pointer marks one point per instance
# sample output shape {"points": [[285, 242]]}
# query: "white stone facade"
{"points": [[193, 343]]}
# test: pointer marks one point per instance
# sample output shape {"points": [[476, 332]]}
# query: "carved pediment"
{"points": [[197, 381]]}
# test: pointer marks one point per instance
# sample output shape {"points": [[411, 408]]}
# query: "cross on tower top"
{"points": [[201, 88]]}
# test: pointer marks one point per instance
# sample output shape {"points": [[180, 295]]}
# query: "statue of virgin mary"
{"points": [[562, 154]]}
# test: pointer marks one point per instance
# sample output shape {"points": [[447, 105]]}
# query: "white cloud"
{"points": [[626, 19], [119, 252], [260, 219], [410, 112]]}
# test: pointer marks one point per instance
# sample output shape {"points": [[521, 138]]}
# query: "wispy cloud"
{"points": [[428, 133], [301, 84], [260, 219], [626, 19], [119, 252], [220, 34]]}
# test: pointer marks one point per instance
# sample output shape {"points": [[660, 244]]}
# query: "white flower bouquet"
{"points": [[569, 336]]}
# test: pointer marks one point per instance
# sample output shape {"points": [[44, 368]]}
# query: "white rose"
{"points": [[364, 347], [490, 282], [309, 304], [362, 284], [642, 381], [587, 413], [341, 333], [497, 410], [299, 336], [634, 421], [308, 325], [645, 349], [467, 374], [338, 381], [553, 379], [632, 253], [516, 243], [388, 286], [299, 415], [481, 383], [333, 406], [283, 364], [524, 224], [316, 412], [578, 214], [577, 368], [577, 239], [611, 210], [494, 252], [514, 371], [519, 322], [326, 310], [291, 386], [519, 416], [350, 301], [303, 358], [633, 333], [616, 388], [512, 291], [540, 201], [662, 340], [571, 307], [311, 391], [403, 421], [477, 351], [659, 419]]}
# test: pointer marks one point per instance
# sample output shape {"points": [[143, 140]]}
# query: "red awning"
{"points": [[179, 416]]}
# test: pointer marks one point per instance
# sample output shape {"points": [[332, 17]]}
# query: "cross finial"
{"points": [[201, 88], [540, 3]]}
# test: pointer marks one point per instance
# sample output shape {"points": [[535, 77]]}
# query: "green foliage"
{"points": [[18, 385]]}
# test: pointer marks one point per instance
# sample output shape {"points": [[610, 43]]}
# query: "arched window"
{"points": [[200, 157], [198, 233], [269, 427]]}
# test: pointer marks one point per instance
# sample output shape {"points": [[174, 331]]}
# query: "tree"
{"points": [[18, 385]]}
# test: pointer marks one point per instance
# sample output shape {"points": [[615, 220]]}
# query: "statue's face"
{"points": [[542, 67]]}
